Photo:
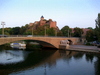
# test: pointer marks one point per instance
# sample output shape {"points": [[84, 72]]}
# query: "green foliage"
{"points": [[40, 30], [66, 31], [50, 32], [59, 33], [98, 21], [97, 33], [0, 31], [78, 32], [36, 29], [97, 29], [88, 44], [22, 30], [90, 28], [90, 36], [16, 30]]}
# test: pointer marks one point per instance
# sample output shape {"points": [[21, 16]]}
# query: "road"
{"points": [[84, 48]]}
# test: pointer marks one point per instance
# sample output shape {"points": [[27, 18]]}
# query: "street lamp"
{"points": [[3, 23], [45, 30], [55, 32], [68, 32], [32, 31]]}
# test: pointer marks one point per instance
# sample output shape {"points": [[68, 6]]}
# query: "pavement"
{"points": [[84, 48]]}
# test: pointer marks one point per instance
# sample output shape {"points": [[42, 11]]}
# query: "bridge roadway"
{"points": [[53, 42]]}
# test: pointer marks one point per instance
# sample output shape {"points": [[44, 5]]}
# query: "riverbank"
{"points": [[84, 48]]}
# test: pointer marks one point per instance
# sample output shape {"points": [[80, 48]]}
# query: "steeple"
{"points": [[42, 18]]}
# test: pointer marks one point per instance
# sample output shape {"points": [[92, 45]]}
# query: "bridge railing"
{"points": [[39, 36]]}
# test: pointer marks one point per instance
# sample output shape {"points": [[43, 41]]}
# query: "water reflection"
{"points": [[19, 47], [97, 66], [48, 62], [10, 57]]}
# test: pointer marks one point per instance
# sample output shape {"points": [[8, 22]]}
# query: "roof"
{"points": [[42, 17]]}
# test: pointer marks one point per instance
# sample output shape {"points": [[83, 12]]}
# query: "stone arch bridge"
{"points": [[53, 42]]}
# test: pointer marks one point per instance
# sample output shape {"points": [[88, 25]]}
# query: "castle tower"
{"points": [[42, 21], [42, 18]]}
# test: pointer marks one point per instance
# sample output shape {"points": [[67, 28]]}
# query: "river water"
{"points": [[48, 62]]}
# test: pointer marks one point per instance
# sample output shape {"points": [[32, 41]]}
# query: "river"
{"points": [[48, 62]]}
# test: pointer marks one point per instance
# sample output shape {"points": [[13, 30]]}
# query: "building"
{"points": [[42, 22], [84, 31]]}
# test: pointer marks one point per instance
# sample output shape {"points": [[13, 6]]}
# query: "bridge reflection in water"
{"points": [[42, 62]]}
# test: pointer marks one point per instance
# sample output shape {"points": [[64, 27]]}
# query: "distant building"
{"points": [[84, 31], [42, 22]]}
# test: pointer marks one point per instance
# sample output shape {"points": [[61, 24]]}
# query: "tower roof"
{"points": [[42, 17]]}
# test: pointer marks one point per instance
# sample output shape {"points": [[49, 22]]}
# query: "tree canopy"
{"points": [[97, 29], [78, 32], [66, 31]]}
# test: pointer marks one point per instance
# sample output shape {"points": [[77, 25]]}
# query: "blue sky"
{"points": [[74, 13]]}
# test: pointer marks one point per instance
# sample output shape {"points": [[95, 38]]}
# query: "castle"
{"points": [[43, 22]]}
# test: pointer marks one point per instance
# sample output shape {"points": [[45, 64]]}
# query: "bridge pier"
{"points": [[63, 47], [64, 44]]}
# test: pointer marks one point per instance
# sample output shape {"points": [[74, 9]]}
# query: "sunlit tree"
{"points": [[66, 31]]}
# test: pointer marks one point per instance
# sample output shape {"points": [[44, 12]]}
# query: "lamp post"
{"points": [[3, 23], [32, 31], [45, 30], [55, 32], [68, 32]]}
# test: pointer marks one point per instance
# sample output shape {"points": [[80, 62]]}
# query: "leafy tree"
{"points": [[40, 30], [16, 30], [97, 29], [51, 32], [28, 32], [90, 36], [7, 31], [78, 32], [59, 33], [0, 31], [98, 21], [66, 31], [23, 30], [90, 28]]}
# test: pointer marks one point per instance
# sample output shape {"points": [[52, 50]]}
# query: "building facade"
{"points": [[42, 22]]}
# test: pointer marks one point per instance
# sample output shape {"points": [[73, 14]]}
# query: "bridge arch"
{"points": [[43, 43], [52, 42]]}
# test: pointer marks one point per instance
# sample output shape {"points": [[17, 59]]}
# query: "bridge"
{"points": [[53, 42]]}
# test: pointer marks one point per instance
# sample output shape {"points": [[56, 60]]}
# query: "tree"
{"points": [[59, 33], [98, 21], [97, 29], [16, 30], [90, 36], [66, 31], [40, 30], [51, 32], [23, 29], [90, 28], [77, 32], [7, 31], [0, 31]]}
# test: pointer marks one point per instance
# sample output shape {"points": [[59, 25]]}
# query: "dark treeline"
{"points": [[27, 30]]}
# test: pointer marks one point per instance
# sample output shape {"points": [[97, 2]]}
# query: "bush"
{"points": [[88, 44]]}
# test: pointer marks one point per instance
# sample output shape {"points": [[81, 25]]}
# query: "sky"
{"points": [[74, 13]]}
